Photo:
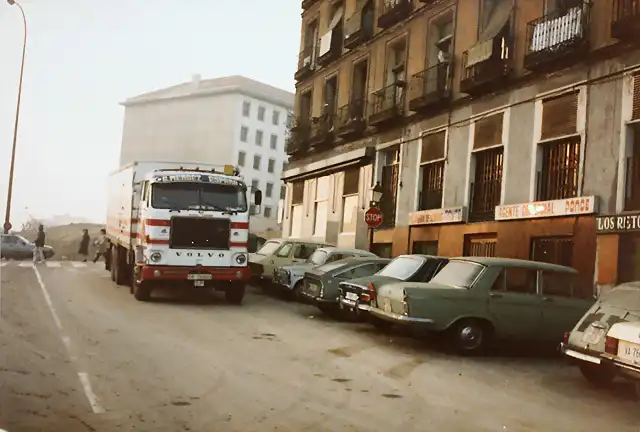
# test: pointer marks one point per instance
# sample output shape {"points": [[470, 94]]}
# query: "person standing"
{"points": [[38, 252], [101, 244], [84, 245]]}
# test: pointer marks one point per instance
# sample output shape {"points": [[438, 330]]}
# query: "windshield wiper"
{"points": [[218, 208]]}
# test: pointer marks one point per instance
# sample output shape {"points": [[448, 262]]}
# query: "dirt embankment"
{"points": [[65, 239]]}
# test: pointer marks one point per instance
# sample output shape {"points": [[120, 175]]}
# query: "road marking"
{"points": [[66, 341], [26, 264], [77, 264], [53, 264]]}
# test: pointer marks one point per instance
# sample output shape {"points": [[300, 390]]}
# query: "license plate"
{"points": [[351, 296], [199, 277], [387, 305], [198, 283], [348, 302], [592, 335], [312, 289], [629, 351]]}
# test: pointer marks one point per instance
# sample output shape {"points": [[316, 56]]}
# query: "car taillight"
{"points": [[369, 295], [611, 345], [565, 338]]}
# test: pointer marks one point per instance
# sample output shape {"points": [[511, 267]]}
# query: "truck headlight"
{"points": [[241, 259], [155, 257]]}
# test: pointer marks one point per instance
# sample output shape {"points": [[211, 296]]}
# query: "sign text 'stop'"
{"points": [[373, 217]]}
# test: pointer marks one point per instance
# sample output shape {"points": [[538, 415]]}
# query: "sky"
{"points": [[84, 57]]}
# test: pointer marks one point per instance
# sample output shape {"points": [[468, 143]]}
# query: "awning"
{"points": [[499, 17], [325, 40], [331, 165]]}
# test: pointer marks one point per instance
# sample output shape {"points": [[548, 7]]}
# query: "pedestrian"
{"points": [[101, 244], [84, 244], [38, 253]]}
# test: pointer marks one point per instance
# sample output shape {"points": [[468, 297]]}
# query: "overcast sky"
{"points": [[86, 56]]}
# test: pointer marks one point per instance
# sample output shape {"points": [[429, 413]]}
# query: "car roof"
{"points": [[513, 262], [332, 249], [421, 256]]}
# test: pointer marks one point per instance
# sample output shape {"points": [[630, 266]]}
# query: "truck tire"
{"points": [[141, 291], [113, 265], [235, 294], [119, 267]]}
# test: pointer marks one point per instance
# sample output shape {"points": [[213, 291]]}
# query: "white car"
{"points": [[622, 350]]}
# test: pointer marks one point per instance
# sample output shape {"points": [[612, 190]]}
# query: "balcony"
{"points": [[431, 87], [306, 64], [393, 11], [357, 30], [350, 121], [387, 104], [298, 139], [306, 4], [321, 131], [558, 38], [632, 188], [485, 66], [625, 24]]}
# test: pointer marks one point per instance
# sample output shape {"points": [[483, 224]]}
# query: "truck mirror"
{"points": [[257, 197]]}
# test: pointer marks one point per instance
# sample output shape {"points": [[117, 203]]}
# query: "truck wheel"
{"points": [[113, 267], [107, 260], [235, 294], [119, 269], [141, 290]]}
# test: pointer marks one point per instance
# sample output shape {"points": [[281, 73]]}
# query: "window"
{"points": [[350, 189], [274, 141], [552, 250], [321, 206], [242, 156], [516, 280], [297, 209], [383, 250], [289, 120], [390, 171], [402, 268], [558, 178], [267, 211], [283, 192], [480, 245], [261, 111], [304, 251], [360, 271], [486, 188], [259, 135], [271, 165], [559, 284], [425, 247], [275, 118], [244, 134], [269, 191], [432, 157], [268, 248], [285, 251], [319, 257], [246, 109], [459, 274], [256, 162], [255, 184]]}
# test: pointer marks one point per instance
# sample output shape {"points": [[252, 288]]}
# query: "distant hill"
{"points": [[65, 239]]}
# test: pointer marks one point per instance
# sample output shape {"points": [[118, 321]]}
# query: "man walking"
{"points": [[38, 253], [84, 245], [101, 244]]}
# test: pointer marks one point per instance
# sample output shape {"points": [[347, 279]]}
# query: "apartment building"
{"points": [[493, 127], [228, 120]]}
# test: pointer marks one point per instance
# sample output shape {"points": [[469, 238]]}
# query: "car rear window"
{"points": [[401, 268], [458, 274], [623, 298]]}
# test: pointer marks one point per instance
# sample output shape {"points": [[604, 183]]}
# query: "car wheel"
{"points": [[470, 336], [235, 294], [295, 293], [597, 374]]}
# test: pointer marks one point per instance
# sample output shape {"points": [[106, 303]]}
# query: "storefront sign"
{"points": [[437, 216], [542, 209], [608, 224]]}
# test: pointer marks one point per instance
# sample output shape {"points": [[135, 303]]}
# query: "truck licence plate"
{"points": [[198, 283], [199, 276]]}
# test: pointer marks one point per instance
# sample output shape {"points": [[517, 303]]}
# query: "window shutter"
{"points": [[351, 181], [488, 131], [432, 147], [635, 113], [560, 116], [298, 192]]}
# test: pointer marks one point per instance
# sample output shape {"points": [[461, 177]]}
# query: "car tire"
{"points": [[295, 293], [597, 374], [235, 294], [468, 337]]}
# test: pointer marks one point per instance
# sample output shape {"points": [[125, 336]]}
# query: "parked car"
{"points": [[478, 299], [278, 252], [356, 294], [622, 351], [289, 277], [13, 246], [585, 344], [320, 285]]}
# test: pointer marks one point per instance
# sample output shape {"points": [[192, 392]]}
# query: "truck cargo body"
{"points": [[178, 224]]}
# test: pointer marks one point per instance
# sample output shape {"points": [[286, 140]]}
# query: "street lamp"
{"points": [[376, 194], [7, 217]]}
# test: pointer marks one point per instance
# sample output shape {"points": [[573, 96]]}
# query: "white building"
{"points": [[228, 120]]}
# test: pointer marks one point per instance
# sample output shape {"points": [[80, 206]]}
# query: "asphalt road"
{"points": [[80, 354]]}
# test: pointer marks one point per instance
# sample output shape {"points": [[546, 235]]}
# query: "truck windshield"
{"points": [[200, 196]]}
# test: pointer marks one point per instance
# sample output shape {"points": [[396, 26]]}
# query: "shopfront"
{"points": [[618, 248]]}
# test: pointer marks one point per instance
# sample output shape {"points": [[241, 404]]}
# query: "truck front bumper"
{"points": [[193, 274]]}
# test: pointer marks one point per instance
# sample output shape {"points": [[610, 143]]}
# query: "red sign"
{"points": [[373, 217]]}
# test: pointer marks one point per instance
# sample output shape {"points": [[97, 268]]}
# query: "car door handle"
{"points": [[495, 295]]}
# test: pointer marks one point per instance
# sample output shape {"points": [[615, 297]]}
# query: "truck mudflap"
{"points": [[213, 274]]}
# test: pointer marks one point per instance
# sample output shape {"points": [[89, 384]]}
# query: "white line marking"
{"points": [[26, 264], [84, 377], [53, 264], [77, 264], [93, 399]]}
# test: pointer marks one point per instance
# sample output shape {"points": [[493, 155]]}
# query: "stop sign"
{"points": [[373, 217]]}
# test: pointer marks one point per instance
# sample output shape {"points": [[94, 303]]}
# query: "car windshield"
{"points": [[269, 248], [198, 196], [318, 257], [458, 274], [401, 268]]}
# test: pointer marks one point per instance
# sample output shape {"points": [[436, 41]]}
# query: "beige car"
{"points": [[622, 351], [278, 252]]}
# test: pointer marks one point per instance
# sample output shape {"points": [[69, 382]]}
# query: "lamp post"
{"points": [[376, 195], [7, 217]]}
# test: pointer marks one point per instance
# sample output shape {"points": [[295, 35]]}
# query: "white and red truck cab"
{"points": [[179, 225]]}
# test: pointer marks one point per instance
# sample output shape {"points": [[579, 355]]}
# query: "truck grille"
{"points": [[199, 233]]}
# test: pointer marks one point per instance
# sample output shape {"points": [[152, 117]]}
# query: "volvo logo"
{"points": [[198, 254]]}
